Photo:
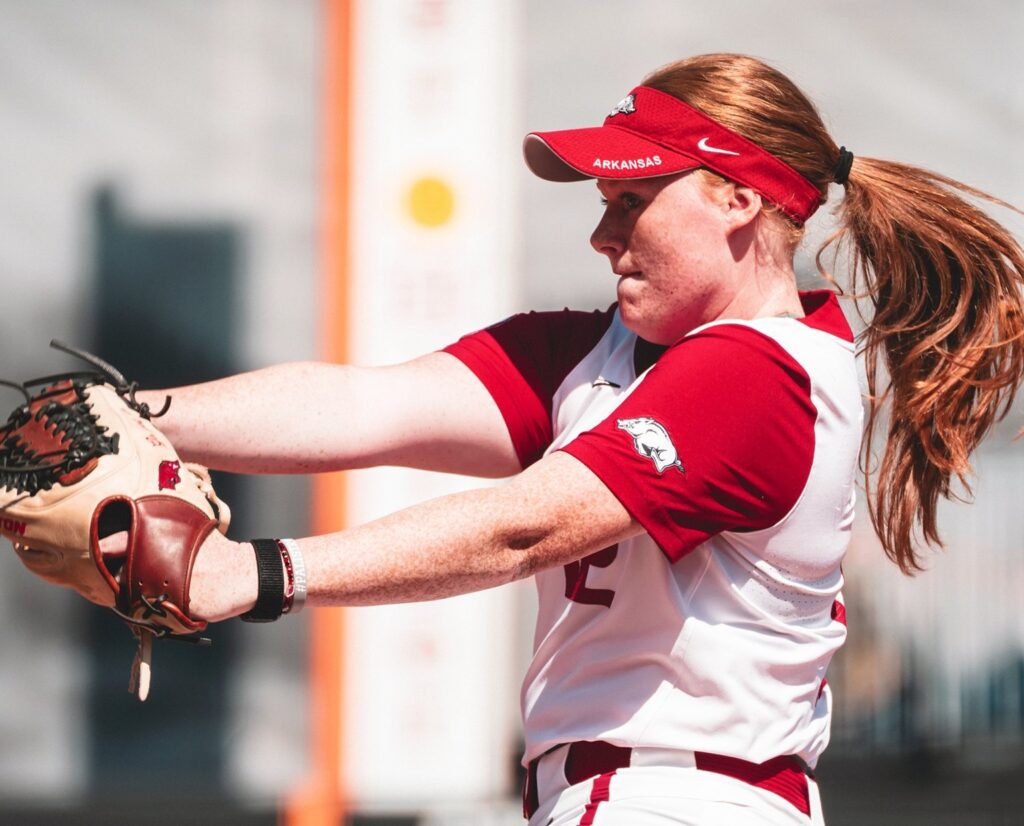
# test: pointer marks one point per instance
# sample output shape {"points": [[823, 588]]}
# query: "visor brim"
{"points": [[600, 152]]}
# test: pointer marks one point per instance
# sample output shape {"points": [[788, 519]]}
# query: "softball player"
{"points": [[683, 463]]}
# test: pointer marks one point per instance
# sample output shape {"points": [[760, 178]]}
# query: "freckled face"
{"points": [[666, 238]]}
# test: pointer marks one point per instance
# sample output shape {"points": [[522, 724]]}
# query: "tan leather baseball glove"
{"points": [[81, 460]]}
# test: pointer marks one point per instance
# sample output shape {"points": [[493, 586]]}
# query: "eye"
{"points": [[628, 201]]}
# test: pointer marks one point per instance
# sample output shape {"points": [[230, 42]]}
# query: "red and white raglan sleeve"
{"points": [[523, 360], [719, 436]]}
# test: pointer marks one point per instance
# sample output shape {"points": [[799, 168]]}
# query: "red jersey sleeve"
{"points": [[523, 360], [719, 436]]}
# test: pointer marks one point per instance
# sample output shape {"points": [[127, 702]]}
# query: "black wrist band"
{"points": [[270, 598]]}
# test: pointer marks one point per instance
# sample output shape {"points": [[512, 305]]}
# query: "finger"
{"points": [[114, 545]]}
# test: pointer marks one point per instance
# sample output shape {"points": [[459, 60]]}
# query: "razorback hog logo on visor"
{"points": [[626, 106], [170, 477], [652, 440]]}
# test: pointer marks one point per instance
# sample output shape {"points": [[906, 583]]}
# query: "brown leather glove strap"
{"points": [[165, 536], [270, 598]]}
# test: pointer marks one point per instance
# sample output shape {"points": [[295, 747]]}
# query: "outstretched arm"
{"points": [[430, 413], [553, 513]]}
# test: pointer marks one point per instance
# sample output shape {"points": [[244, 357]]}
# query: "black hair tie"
{"points": [[841, 174]]}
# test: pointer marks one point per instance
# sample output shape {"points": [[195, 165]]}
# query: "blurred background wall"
{"points": [[159, 204], [161, 169]]}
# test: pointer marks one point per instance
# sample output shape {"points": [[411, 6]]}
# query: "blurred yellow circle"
{"points": [[431, 202]]}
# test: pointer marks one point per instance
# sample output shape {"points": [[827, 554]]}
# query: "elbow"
{"points": [[525, 561], [528, 550]]}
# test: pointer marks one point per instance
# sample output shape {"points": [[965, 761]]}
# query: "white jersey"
{"points": [[736, 449]]}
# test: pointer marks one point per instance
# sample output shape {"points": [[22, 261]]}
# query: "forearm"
{"points": [[274, 420], [453, 545], [449, 546], [430, 413]]}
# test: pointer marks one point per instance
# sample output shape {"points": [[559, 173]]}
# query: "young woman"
{"points": [[683, 464]]}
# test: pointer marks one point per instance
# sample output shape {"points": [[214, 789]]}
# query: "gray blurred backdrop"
{"points": [[159, 202]]}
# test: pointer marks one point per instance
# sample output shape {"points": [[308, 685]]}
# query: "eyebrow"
{"points": [[613, 183]]}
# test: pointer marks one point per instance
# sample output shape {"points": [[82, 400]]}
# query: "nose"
{"points": [[607, 239]]}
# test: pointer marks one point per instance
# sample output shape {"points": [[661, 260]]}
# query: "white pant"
{"points": [[661, 796]]}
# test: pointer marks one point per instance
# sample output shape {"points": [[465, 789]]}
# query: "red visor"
{"points": [[650, 133]]}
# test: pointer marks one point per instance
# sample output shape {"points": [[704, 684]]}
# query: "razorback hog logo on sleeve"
{"points": [[652, 440], [169, 474]]}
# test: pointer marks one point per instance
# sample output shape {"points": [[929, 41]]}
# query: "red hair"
{"points": [[944, 346]]}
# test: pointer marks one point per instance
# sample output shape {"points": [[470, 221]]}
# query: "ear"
{"points": [[742, 205]]}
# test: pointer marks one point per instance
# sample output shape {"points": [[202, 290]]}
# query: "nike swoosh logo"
{"points": [[702, 145]]}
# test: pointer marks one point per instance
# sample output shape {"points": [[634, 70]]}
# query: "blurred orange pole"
{"points": [[321, 799]]}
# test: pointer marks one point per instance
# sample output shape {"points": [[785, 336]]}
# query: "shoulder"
{"points": [[727, 356], [553, 323], [819, 346]]}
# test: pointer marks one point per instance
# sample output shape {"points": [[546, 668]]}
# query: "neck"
{"points": [[768, 283], [765, 292]]}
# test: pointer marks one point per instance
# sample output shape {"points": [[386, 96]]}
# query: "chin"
{"points": [[646, 331]]}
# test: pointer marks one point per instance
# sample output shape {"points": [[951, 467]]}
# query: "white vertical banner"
{"points": [[430, 689]]}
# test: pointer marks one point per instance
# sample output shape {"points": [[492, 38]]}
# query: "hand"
{"points": [[224, 581]]}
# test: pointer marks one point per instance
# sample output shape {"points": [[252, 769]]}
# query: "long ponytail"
{"points": [[944, 346], [944, 349]]}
